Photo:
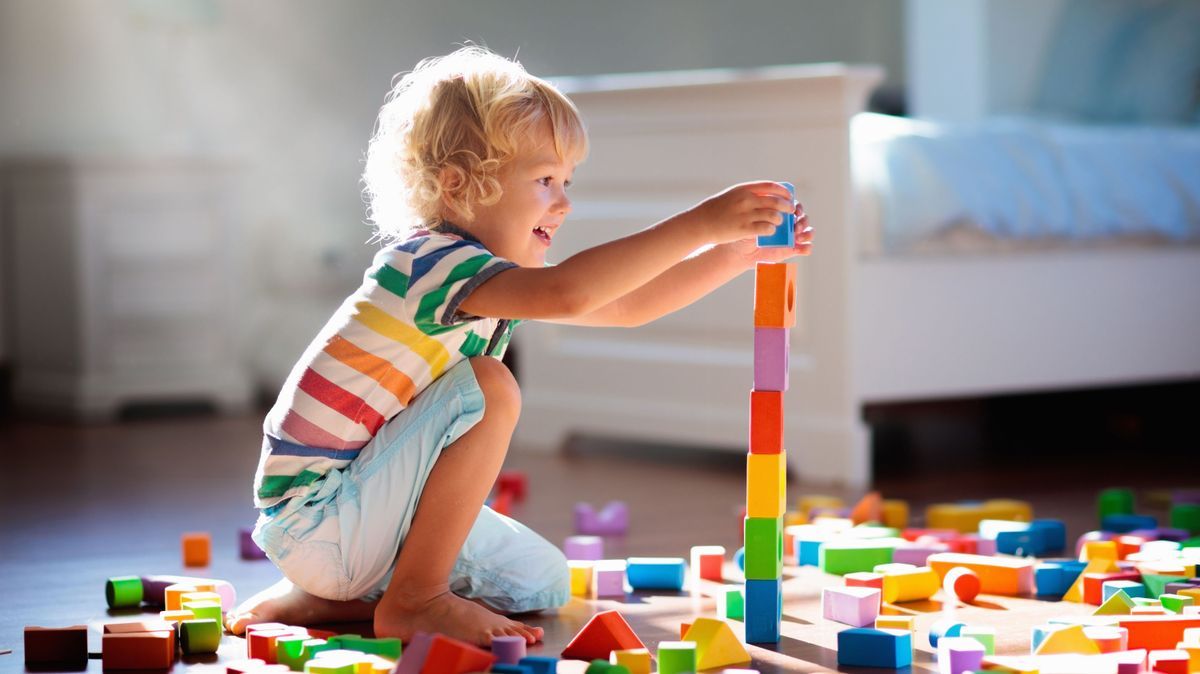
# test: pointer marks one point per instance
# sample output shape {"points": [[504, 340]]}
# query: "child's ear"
{"points": [[451, 180]]}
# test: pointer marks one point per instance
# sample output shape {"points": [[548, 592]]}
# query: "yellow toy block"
{"points": [[1067, 640], [1118, 604], [172, 594], [895, 622], [965, 517], [176, 617], [636, 660], [1193, 592], [1099, 550], [716, 644], [895, 513], [766, 484], [910, 584], [1193, 651], [581, 576], [807, 503], [1100, 565], [793, 518], [199, 596], [1011, 576]]}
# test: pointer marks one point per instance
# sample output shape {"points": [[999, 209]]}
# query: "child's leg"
{"points": [[418, 596]]}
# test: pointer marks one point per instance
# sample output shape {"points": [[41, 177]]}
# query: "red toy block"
{"points": [[864, 579], [438, 654], [502, 503], [513, 482], [260, 643], [607, 631], [774, 295], [1157, 632], [143, 626], [766, 422], [138, 650], [61, 648], [1093, 584]]}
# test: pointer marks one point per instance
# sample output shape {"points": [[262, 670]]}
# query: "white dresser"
{"points": [[123, 281]]}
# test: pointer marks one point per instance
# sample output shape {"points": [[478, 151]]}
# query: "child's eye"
{"points": [[545, 181]]}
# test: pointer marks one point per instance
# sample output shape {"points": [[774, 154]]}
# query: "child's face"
{"points": [[520, 226]]}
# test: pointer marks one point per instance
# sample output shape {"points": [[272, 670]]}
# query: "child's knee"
{"points": [[502, 396]]}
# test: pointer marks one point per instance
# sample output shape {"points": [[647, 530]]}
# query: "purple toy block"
{"points": [[916, 555], [1162, 534], [957, 655], [585, 548], [414, 654], [983, 546], [608, 578], [248, 548], [771, 354], [854, 606], [612, 520], [1191, 496], [508, 650]]}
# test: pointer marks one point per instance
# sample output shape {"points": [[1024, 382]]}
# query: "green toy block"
{"points": [[1115, 502], [676, 657], [1156, 585], [603, 667], [123, 591], [388, 648], [732, 604], [1146, 601], [330, 666], [854, 556], [1193, 542], [764, 548], [1186, 516], [202, 635], [984, 635], [204, 609], [1175, 602]]}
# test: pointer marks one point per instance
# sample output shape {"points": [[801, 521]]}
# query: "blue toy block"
{"points": [[510, 669], [784, 235], [1129, 587], [764, 610], [1123, 524], [1017, 542], [739, 558], [537, 664], [1049, 579], [808, 553], [866, 647], [944, 628], [1053, 535], [655, 573]]}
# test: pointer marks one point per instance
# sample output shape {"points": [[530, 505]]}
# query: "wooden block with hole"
{"points": [[774, 295]]}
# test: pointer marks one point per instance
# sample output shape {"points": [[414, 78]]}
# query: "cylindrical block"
{"points": [[588, 548], [961, 583], [123, 591], [676, 657], [174, 595], [508, 649], [920, 583], [199, 636], [944, 628]]}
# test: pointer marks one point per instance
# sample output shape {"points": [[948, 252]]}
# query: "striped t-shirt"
{"points": [[388, 341]]}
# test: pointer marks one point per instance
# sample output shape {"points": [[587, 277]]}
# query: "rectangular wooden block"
{"points": [[60, 648], [774, 295], [764, 548], [766, 422], [854, 606], [772, 354], [882, 648], [851, 556], [997, 575], [766, 485], [764, 610], [138, 650]]}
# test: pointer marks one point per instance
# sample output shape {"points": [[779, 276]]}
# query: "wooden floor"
{"points": [[85, 503]]}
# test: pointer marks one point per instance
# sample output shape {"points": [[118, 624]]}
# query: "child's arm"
{"points": [[691, 280], [596, 277]]}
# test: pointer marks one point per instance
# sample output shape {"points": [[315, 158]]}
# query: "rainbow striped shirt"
{"points": [[388, 341]]}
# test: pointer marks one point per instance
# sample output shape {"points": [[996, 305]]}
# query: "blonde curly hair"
{"points": [[466, 113]]}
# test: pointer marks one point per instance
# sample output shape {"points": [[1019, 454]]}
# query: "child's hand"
{"points": [[743, 212], [748, 253]]}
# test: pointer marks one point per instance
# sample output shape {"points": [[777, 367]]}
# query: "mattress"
{"points": [[1015, 184]]}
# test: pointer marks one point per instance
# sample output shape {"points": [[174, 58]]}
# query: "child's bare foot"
{"points": [[285, 603], [448, 614]]}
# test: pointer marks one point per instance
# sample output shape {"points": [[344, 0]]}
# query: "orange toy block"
{"points": [[868, 509], [138, 650], [1010, 576], [197, 548], [1157, 632], [766, 422], [143, 626], [774, 295], [607, 631]]}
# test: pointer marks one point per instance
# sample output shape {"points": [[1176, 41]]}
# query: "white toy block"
{"points": [[854, 606]]}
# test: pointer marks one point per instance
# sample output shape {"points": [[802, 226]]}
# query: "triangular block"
{"points": [[1100, 565], [869, 509], [605, 632], [716, 644], [1156, 585], [1067, 640], [1118, 604]]}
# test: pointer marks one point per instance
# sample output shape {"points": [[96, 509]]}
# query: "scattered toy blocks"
{"points": [[708, 562], [676, 657], [636, 660], [605, 632], [959, 655], [865, 647], [656, 573], [608, 578], [854, 606], [961, 583]]}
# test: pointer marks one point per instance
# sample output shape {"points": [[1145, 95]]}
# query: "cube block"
{"points": [[764, 610], [772, 356], [854, 606], [764, 548], [766, 422], [774, 295], [766, 485], [866, 647]]}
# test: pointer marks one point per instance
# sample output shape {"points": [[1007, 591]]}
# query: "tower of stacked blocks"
{"points": [[766, 462]]}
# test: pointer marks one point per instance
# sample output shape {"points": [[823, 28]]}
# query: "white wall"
{"points": [[970, 58], [290, 89]]}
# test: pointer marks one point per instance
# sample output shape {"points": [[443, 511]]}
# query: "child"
{"points": [[391, 429]]}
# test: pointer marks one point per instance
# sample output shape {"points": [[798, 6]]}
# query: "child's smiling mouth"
{"points": [[543, 234]]}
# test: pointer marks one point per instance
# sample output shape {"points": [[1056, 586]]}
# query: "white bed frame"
{"points": [[868, 329]]}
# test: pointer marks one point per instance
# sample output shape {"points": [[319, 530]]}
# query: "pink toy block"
{"points": [[587, 548], [612, 520], [247, 547], [508, 650], [608, 578], [771, 357], [854, 606], [957, 655], [917, 554]]}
